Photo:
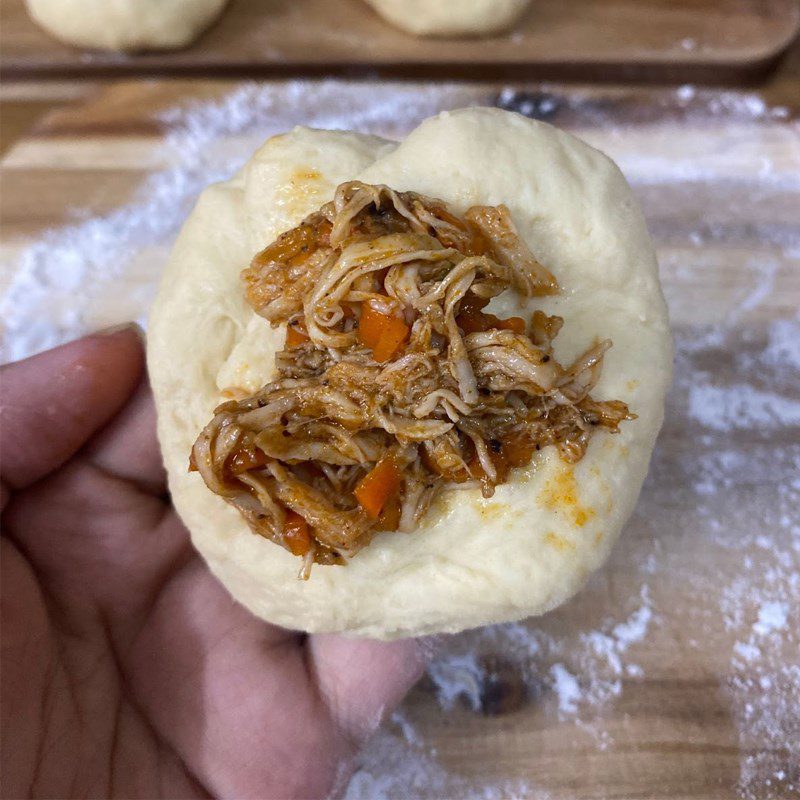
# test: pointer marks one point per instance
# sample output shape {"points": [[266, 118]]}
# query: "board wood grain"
{"points": [[674, 729], [711, 40]]}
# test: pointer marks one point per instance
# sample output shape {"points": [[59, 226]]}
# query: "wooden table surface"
{"points": [[24, 102], [689, 40], [717, 175]]}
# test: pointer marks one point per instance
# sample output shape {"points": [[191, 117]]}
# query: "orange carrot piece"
{"points": [[382, 333], [471, 318], [518, 451], [516, 324], [389, 519], [378, 486], [394, 334], [295, 336], [247, 458], [370, 325], [297, 534], [296, 242]]}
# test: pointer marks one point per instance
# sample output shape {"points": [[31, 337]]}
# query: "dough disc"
{"points": [[473, 561]]}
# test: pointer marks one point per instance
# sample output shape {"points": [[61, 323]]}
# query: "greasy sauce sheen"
{"points": [[395, 383]]}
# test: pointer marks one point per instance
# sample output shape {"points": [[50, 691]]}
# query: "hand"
{"points": [[127, 669]]}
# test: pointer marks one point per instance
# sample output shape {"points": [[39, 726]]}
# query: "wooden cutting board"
{"points": [[634, 689], [689, 40]]}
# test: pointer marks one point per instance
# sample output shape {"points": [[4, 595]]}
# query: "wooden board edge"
{"points": [[752, 66]]}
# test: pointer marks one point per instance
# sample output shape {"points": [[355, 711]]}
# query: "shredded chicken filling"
{"points": [[394, 383]]}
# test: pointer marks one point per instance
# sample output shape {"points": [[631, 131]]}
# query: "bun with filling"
{"points": [[411, 388]]}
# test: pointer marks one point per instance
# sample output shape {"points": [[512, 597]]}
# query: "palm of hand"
{"points": [[127, 669]]}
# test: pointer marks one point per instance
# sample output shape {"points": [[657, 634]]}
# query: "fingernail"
{"points": [[134, 327]]}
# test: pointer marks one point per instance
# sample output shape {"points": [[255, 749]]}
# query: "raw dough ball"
{"points": [[472, 561], [451, 17], [126, 24]]}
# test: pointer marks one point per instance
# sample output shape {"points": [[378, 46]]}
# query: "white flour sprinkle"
{"points": [[566, 688], [399, 765], [584, 670], [771, 617], [755, 481], [782, 349], [765, 687], [741, 406]]}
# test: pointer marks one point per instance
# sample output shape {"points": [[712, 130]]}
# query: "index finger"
{"points": [[53, 403]]}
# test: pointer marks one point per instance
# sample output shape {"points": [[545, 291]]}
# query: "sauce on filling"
{"points": [[394, 382]]}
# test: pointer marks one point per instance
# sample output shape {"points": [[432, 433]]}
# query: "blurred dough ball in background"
{"points": [[451, 17], [126, 24]]}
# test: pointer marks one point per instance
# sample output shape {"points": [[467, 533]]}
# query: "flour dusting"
{"points": [[741, 406], [746, 468], [583, 670], [399, 765], [771, 617], [709, 566], [567, 689]]}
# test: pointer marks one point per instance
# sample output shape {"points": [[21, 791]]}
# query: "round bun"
{"points": [[451, 17], [126, 24], [472, 561]]}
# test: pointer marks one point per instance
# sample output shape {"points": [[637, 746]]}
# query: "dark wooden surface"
{"points": [[655, 40]]}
